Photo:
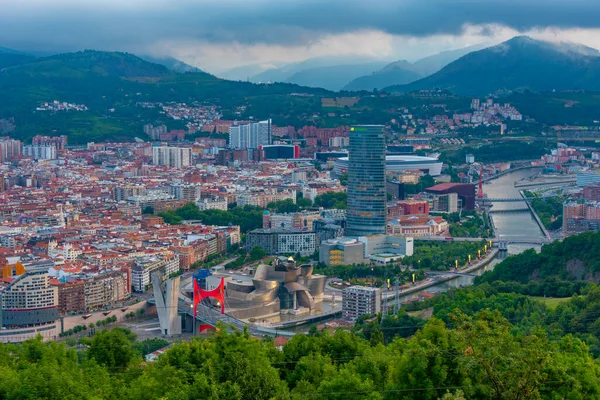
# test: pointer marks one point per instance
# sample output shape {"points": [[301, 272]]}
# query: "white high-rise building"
{"points": [[360, 300], [40, 152], [175, 157], [250, 136]]}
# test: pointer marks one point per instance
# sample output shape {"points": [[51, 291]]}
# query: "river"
{"points": [[515, 225], [510, 226]]}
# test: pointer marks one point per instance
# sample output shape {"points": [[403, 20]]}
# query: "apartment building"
{"points": [[144, 266], [174, 157], [360, 300]]}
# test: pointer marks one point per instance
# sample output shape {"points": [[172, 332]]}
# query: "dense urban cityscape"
{"points": [[374, 229]]}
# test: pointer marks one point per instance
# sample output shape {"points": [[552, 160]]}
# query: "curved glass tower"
{"points": [[366, 181]]}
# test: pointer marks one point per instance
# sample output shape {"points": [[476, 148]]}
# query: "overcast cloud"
{"points": [[217, 35]]}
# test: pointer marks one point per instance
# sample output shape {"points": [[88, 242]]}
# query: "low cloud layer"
{"points": [[286, 30]]}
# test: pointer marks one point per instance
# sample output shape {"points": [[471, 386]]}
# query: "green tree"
{"points": [[112, 349], [304, 203], [257, 253]]}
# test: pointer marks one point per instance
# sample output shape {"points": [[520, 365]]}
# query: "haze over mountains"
{"points": [[517, 64], [347, 72]]}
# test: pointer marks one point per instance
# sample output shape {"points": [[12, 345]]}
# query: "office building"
{"points": [[250, 136], [359, 300], [40, 152], [174, 157], [342, 251], [366, 181]]}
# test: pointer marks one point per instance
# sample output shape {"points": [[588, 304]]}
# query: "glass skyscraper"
{"points": [[366, 181]]}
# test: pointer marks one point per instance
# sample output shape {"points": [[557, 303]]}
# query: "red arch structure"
{"points": [[205, 327], [217, 293]]}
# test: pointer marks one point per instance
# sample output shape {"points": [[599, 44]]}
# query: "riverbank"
{"points": [[482, 263], [537, 218]]}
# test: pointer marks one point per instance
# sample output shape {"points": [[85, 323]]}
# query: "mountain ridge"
{"points": [[520, 63], [396, 73]]}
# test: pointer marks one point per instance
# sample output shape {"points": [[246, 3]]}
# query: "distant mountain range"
{"points": [[10, 57], [331, 73], [432, 64], [171, 63], [396, 73], [347, 72], [517, 64]]}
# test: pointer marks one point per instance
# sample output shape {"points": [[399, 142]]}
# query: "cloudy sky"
{"points": [[219, 35]]}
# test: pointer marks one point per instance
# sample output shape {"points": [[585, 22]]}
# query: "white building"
{"points": [[40, 152], [216, 203], [339, 141], [250, 136], [174, 157], [360, 300], [305, 243], [386, 248], [144, 266]]}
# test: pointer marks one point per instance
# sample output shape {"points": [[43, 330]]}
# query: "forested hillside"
{"points": [[476, 358]]}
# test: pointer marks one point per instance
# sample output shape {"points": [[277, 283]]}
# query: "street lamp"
{"points": [[194, 323]]}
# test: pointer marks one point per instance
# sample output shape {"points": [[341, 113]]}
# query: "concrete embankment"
{"points": [[445, 278], [537, 219]]}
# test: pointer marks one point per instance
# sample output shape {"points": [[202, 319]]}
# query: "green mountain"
{"points": [[517, 64], [10, 57], [396, 73], [115, 81]]}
